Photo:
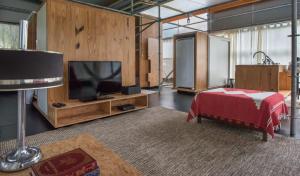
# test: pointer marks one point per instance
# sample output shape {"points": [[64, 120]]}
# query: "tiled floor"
{"points": [[36, 123]]}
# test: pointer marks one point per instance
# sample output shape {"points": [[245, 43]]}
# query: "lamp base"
{"points": [[20, 159]]}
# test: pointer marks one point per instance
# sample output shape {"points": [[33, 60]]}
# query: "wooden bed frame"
{"points": [[264, 133]]}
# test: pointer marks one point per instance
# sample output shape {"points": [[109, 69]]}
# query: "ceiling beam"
{"points": [[155, 3], [213, 9], [119, 4], [14, 9], [231, 5]]}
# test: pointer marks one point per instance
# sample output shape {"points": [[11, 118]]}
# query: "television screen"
{"points": [[94, 78]]}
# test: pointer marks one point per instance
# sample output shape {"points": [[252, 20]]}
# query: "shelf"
{"points": [[77, 103], [117, 97], [81, 118], [76, 112], [116, 111]]}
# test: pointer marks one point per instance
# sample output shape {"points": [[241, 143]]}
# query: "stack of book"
{"points": [[72, 163]]}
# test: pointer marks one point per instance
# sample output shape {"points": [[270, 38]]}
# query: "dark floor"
{"points": [[36, 123]]}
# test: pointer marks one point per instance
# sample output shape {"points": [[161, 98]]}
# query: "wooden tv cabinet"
{"points": [[76, 112]]}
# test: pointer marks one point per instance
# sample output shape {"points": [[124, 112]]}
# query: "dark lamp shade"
{"points": [[28, 69]]}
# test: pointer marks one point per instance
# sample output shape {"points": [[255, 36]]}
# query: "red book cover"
{"points": [[72, 163]]}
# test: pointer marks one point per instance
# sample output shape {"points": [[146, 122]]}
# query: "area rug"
{"points": [[159, 141]]}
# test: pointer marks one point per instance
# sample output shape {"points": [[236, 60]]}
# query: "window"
{"points": [[167, 58], [271, 38], [9, 36]]}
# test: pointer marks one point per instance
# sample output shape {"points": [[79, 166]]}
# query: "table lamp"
{"points": [[22, 70]]}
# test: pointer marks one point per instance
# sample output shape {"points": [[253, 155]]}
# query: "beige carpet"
{"points": [[158, 141]]}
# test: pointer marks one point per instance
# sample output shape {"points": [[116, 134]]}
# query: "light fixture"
{"points": [[22, 70], [188, 19]]}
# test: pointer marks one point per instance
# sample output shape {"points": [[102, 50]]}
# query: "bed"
{"points": [[257, 110]]}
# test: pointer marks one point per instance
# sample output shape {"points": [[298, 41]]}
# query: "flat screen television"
{"points": [[94, 78]]}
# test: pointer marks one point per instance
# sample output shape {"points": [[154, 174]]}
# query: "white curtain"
{"points": [[9, 36], [167, 57], [272, 39], [278, 44]]}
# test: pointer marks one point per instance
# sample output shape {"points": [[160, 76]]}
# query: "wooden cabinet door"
{"points": [[153, 75]]}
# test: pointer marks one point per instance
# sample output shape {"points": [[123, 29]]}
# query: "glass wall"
{"points": [[168, 60], [9, 36]]}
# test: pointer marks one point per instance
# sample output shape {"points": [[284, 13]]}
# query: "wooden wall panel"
{"points": [[262, 77], [201, 61], [104, 36], [153, 61], [58, 39], [115, 37], [79, 34], [144, 68], [285, 80], [32, 35]]}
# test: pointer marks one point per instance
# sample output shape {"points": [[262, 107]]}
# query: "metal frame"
{"points": [[159, 48], [186, 26], [158, 20], [183, 25], [148, 25], [294, 68], [101, 7]]}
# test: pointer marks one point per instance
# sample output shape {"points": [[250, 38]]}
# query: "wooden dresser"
{"points": [[262, 77]]}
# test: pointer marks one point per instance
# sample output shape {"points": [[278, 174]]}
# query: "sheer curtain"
{"points": [[272, 39], [9, 36], [167, 57]]}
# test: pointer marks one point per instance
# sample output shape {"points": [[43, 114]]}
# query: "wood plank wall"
{"points": [[31, 42], [144, 64], [257, 77], [105, 36], [201, 72]]}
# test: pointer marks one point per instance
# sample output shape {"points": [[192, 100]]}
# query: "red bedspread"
{"points": [[261, 110]]}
